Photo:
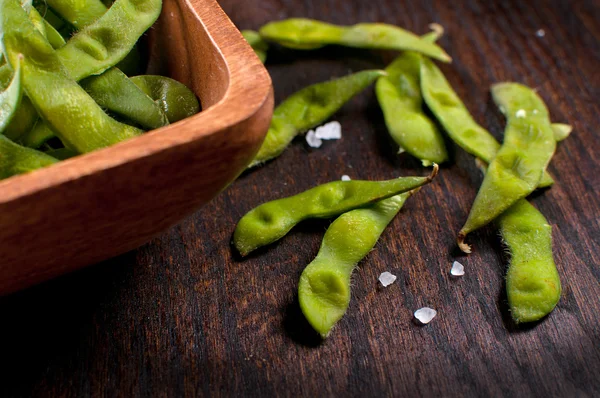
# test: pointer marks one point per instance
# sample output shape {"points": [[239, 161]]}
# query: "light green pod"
{"points": [[81, 124], [113, 90], [15, 159], [271, 221], [38, 21], [10, 98], [518, 167], [105, 42], [174, 98], [37, 136], [259, 46], [53, 36], [324, 288], [301, 33], [308, 108], [454, 116], [80, 13], [532, 282], [400, 99]]}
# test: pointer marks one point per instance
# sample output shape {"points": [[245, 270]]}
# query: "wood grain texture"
{"points": [[106, 203], [183, 316]]}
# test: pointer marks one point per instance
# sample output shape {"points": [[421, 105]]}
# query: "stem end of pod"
{"points": [[461, 243], [434, 172]]}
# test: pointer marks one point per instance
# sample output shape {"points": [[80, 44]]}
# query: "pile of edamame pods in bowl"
{"points": [[67, 83], [419, 107]]}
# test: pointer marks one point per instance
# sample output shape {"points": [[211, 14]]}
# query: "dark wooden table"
{"points": [[183, 316]]}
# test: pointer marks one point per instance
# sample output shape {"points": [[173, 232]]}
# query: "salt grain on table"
{"points": [[541, 33], [312, 140], [457, 269], [346, 178], [329, 131], [425, 315], [387, 279]]}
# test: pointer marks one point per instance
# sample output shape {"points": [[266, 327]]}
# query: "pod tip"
{"points": [[434, 172], [461, 243]]}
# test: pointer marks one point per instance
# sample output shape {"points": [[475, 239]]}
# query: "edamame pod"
{"points": [[270, 221], [532, 283], [113, 90], [95, 48], [518, 167], [81, 124], [308, 108], [175, 100], [454, 116], [324, 288], [38, 135], [400, 99], [80, 13], [259, 46], [11, 96], [15, 159], [301, 33], [53, 36]]}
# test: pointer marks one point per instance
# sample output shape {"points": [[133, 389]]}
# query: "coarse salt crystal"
{"points": [[312, 140], [346, 178], [521, 113], [540, 33], [329, 131], [425, 315], [387, 279], [457, 269]]}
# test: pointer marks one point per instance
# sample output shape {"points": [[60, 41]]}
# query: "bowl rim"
{"points": [[246, 74]]}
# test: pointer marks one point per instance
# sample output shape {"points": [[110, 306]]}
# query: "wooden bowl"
{"points": [[108, 202]]}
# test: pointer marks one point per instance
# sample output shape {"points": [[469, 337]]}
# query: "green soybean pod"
{"points": [[10, 98], [173, 98], [400, 99], [324, 288], [16, 159], [456, 119], [38, 21], [62, 153], [80, 123], [38, 135], [259, 46], [80, 13], [113, 90], [105, 42], [301, 33], [271, 221], [53, 36], [532, 283], [308, 108], [518, 167]]}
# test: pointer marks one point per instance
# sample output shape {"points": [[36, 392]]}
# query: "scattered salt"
{"points": [[387, 279], [535, 111], [329, 131], [425, 315], [540, 33], [346, 178], [312, 140], [401, 150], [457, 269], [521, 113]]}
